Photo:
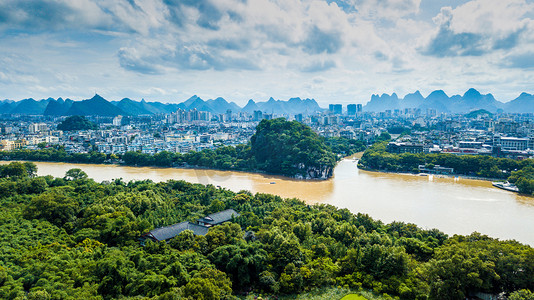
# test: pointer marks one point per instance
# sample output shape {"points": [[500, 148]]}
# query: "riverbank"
{"points": [[182, 167], [478, 167], [435, 175]]}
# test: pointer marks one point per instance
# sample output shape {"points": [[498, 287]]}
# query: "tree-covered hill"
{"points": [[73, 238], [291, 148], [76, 123]]}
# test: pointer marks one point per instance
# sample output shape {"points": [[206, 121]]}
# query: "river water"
{"points": [[452, 205]]}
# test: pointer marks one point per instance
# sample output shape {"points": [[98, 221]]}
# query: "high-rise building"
{"points": [[37, 127], [117, 121], [359, 108], [258, 115], [351, 109], [335, 108]]}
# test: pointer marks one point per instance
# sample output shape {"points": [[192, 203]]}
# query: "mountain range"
{"points": [[441, 102], [98, 106], [438, 100]]}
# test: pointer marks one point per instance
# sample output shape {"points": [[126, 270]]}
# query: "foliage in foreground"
{"points": [[72, 238]]}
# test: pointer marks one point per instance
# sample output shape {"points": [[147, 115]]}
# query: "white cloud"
{"points": [[257, 34], [490, 17], [481, 26], [340, 50], [389, 9]]}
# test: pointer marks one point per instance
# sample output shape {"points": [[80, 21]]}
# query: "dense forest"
{"points": [[278, 147], [519, 172], [73, 238]]}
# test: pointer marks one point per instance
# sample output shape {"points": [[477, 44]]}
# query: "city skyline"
{"points": [[332, 51]]}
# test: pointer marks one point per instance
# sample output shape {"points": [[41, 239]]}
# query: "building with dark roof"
{"points": [[201, 228], [394, 147], [168, 232], [218, 218]]}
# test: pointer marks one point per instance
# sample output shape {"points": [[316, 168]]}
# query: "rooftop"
{"points": [[168, 232], [219, 217]]}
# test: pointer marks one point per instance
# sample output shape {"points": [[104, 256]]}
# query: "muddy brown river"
{"points": [[452, 205]]}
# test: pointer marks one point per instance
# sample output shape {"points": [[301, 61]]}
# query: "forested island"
{"points": [[74, 238], [518, 172], [279, 147]]}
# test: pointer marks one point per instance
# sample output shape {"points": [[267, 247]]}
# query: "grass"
{"points": [[333, 293], [353, 297]]}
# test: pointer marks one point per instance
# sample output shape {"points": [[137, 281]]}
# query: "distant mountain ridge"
{"points": [[290, 107], [471, 100], [441, 102], [98, 106]]}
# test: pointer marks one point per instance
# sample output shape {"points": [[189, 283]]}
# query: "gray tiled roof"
{"points": [[168, 232], [219, 217]]}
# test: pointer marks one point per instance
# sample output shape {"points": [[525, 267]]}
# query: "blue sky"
{"points": [[335, 51]]}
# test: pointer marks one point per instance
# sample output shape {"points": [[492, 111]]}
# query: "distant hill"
{"points": [[441, 102], [96, 106], [220, 105], [413, 100], [30, 107], [159, 107], [476, 113], [6, 106], [250, 107], [290, 107], [133, 108], [58, 107], [523, 103], [216, 106], [384, 102]]}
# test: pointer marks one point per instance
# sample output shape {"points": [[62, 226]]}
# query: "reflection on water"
{"points": [[453, 205]]}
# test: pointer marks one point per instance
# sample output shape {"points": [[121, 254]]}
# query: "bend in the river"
{"points": [[452, 205]]}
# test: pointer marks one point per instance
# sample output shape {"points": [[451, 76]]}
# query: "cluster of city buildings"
{"points": [[502, 135], [413, 131], [151, 134]]}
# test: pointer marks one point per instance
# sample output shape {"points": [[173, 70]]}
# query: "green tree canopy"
{"points": [[291, 148], [76, 123], [75, 174]]}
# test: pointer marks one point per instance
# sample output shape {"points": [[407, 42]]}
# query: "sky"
{"points": [[335, 51]]}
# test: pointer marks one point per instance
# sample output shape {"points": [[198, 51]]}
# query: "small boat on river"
{"points": [[505, 186]]}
